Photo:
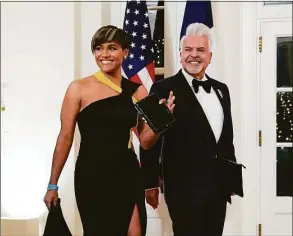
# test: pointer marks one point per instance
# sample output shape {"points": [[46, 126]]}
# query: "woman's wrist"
{"points": [[52, 187]]}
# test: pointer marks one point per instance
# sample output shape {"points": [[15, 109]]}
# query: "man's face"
{"points": [[195, 55]]}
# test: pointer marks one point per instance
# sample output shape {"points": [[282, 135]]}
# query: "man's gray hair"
{"points": [[198, 29]]}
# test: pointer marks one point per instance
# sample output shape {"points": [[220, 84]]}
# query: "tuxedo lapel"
{"points": [[187, 100]]}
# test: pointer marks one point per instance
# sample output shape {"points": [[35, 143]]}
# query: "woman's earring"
{"points": [[125, 57]]}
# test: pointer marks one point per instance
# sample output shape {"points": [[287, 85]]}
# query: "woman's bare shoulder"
{"points": [[82, 83], [76, 87], [84, 80]]}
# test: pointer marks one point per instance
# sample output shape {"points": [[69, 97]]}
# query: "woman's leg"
{"points": [[134, 226]]}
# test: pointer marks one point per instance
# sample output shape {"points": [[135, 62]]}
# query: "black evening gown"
{"points": [[108, 181]]}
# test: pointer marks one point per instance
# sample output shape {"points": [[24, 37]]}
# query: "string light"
{"points": [[159, 49], [284, 124], [284, 127]]}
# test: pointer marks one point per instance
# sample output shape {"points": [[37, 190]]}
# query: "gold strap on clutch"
{"points": [[105, 80]]}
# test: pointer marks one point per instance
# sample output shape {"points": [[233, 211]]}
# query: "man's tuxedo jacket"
{"points": [[185, 156]]}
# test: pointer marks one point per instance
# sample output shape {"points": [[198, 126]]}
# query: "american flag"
{"points": [[139, 65]]}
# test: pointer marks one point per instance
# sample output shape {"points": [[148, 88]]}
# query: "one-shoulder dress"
{"points": [[108, 181]]}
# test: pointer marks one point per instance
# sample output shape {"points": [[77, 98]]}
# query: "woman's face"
{"points": [[109, 56]]}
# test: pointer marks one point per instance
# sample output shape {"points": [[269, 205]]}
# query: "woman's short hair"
{"points": [[110, 33]]}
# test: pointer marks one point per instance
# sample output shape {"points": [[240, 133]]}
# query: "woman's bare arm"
{"points": [[69, 111]]}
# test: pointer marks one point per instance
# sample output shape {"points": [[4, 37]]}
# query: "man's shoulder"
{"points": [[167, 82], [164, 86], [217, 83]]}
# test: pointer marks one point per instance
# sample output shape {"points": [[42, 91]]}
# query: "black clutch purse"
{"points": [[231, 176], [56, 224], [157, 116]]}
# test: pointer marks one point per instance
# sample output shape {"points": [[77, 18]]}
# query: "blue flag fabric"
{"points": [[197, 11]]}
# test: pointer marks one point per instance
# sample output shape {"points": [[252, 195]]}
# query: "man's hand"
{"points": [[152, 197]]}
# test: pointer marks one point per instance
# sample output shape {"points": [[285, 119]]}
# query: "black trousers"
{"points": [[197, 216]]}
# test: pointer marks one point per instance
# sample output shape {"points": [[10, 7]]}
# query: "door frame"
{"points": [[279, 205], [252, 15]]}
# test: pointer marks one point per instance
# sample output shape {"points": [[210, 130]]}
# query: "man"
{"points": [[189, 151]]}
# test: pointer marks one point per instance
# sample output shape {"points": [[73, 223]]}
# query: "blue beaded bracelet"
{"points": [[52, 187]]}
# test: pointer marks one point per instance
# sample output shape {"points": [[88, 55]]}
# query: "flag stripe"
{"points": [[145, 78], [136, 79], [151, 69]]}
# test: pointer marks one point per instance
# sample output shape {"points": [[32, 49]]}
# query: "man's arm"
{"points": [[150, 159], [150, 164], [151, 167]]}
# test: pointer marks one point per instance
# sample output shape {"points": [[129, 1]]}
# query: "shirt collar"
{"points": [[189, 78]]}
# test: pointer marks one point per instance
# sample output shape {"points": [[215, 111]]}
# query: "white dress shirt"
{"points": [[210, 105]]}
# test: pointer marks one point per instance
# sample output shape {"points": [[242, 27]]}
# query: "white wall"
{"points": [[37, 64], [90, 13], [44, 47], [228, 34]]}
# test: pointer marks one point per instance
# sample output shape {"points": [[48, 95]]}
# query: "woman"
{"points": [[109, 193]]}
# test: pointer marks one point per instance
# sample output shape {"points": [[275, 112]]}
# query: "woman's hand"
{"points": [[51, 196], [170, 102]]}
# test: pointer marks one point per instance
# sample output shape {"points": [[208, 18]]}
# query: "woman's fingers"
{"points": [[55, 201], [51, 197], [47, 203]]}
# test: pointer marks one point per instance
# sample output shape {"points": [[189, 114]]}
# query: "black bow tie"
{"points": [[205, 84]]}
